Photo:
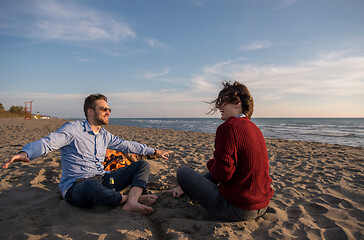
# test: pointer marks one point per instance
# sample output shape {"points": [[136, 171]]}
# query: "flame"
{"points": [[115, 160]]}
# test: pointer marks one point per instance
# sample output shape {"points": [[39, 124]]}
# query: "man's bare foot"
{"points": [[147, 199], [137, 207], [176, 192]]}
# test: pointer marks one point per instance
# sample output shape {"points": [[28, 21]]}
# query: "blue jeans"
{"points": [[97, 190], [205, 191]]}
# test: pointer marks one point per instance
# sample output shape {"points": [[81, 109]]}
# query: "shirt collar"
{"points": [[241, 115], [88, 128]]}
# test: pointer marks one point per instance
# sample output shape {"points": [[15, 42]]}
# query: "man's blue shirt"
{"points": [[82, 151]]}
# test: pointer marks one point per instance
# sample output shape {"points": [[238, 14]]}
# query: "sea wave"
{"points": [[337, 131]]}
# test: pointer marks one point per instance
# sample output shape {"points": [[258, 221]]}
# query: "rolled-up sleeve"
{"points": [[125, 146]]}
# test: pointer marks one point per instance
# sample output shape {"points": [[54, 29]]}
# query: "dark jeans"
{"points": [[205, 191], [97, 190]]}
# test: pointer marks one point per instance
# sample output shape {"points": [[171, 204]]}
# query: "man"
{"points": [[83, 145]]}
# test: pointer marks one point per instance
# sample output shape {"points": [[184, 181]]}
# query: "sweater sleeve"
{"points": [[222, 167]]}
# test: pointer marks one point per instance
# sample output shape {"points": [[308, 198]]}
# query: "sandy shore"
{"points": [[319, 192]]}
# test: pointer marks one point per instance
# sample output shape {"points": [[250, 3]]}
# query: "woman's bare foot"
{"points": [[124, 199], [147, 199], [176, 192], [137, 207]]}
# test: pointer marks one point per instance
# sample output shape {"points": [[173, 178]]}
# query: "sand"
{"points": [[318, 192]]}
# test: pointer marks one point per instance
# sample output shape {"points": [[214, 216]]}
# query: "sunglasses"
{"points": [[105, 109]]}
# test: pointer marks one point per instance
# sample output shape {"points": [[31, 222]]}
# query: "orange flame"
{"points": [[115, 160]]}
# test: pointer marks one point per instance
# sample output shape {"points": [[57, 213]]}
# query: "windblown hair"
{"points": [[90, 101], [234, 92]]}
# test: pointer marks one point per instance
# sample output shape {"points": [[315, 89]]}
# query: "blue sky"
{"points": [[299, 58]]}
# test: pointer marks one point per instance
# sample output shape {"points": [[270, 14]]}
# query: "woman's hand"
{"points": [[176, 192]]}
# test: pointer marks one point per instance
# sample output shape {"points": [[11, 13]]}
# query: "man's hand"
{"points": [[22, 156], [162, 153]]}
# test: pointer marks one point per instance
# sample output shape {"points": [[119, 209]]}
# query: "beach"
{"points": [[319, 191]]}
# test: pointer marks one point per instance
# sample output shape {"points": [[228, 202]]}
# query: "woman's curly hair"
{"points": [[234, 92]]}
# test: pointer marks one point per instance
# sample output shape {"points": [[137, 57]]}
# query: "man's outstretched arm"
{"points": [[162, 153], [20, 157], [41, 147]]}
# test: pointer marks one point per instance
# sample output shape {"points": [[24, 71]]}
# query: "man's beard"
{"points": [[101, 121]]}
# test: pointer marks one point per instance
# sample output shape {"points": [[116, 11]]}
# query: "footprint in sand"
{"points": [[331, 199], [358, 214], [295, 212], [271, 210], [337, 201], [345, 204], [325, 222], [337, 233], [280, 203], [315, 208]]}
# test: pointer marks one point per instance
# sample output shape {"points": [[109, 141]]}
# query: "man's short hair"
{"points": [[90, 101]]}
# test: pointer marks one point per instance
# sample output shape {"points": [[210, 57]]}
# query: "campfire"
{"points": [[115, 159]]}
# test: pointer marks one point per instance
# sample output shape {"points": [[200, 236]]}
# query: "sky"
{"points": [[159, 59]]}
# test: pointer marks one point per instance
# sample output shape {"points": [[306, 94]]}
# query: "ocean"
{"points": [[343, 131]]}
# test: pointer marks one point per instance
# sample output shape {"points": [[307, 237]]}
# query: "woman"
{"points": [[237, 186]]}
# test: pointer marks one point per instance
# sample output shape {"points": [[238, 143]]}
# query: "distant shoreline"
{"points": [[40, 122]]}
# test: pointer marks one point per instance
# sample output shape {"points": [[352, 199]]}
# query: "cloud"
{"points": [[163, 103], [157, 74], [209, 76], [327, 85], [327, 75], [40, 95], [51, 20], [151, 42], [165, 95], [135, 103], [153, 75], [257, 45], [201, 84]]}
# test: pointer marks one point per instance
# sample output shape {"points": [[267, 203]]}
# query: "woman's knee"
{"points": [[183, 173]]}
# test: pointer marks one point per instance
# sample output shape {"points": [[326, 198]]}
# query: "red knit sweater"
{"points": [[241, 164]]}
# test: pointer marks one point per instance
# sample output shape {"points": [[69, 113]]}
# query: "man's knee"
{"points": [[82, 194], [97, 194], [144, 165], [91, 187]]}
